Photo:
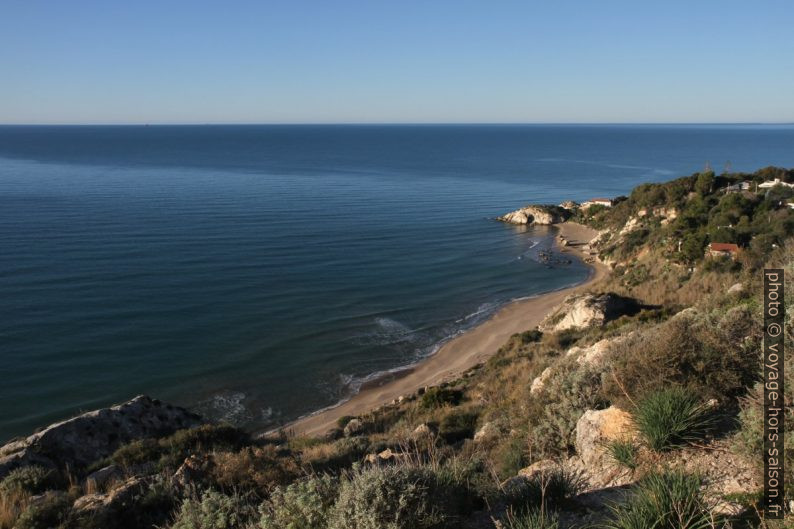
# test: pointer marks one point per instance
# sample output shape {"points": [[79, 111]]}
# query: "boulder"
{"points": [[593, 355], [94, 435], [595, 428], [192, 470], [540, 381], [584, 310], [98, 506], [423, 431], [104, 476], [540, 215], [736, 288], [569, 204]]}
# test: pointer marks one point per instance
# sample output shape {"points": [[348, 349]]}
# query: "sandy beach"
{"points": [[460, 353]]}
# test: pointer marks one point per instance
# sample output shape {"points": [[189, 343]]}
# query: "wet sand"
{"points": [[460, 353]]}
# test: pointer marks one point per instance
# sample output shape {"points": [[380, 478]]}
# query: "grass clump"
{"points": [[545, 490], [532, 519], [672, 417], [663, 501], [624, 452]]}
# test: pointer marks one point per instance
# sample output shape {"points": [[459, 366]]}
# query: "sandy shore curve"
{"points": [[460, 353]]}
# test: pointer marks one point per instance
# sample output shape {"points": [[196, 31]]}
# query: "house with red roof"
{"points": [[722, 249]]}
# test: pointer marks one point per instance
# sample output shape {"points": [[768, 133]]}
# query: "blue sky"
{"points": [[300, 61]]}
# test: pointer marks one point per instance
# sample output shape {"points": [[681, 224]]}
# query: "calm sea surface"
{"points": [[258, 273]]}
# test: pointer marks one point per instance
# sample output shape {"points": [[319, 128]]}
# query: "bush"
{"points": [[623, 452], [50, 511], [672, 417], [214, 510], [457, 426], [33, 479], [663, 501], [342, 421], [533, 519], [303, 504], [400, 497], [714, 355], [253, 469], [510, 456], [567, 394], [438, 397]]}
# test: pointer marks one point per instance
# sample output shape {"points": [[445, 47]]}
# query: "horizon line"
{"points": [[387, 123]]}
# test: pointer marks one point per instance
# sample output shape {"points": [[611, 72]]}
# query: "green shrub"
{"points": [[437, 397], [567, 394], [532, 519], [303, 504], [510, 456], [400, 497], [136, 453], [33, 479], [663, 501], [214, 510], [48, 512], [672, 417], [342, 421], [623, 452], [457, 426]]}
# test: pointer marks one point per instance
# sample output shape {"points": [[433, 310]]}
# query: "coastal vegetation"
{"points": [[647, 418]]}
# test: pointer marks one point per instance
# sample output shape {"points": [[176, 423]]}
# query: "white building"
{"points": [[772, 183]]}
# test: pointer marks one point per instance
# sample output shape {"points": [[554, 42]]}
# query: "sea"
{"points": [[258, 273]]}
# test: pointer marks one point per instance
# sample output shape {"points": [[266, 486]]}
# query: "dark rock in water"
{"points": [[94, 435]]}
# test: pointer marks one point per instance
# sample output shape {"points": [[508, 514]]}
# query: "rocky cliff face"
{"points": [[94, 435], [541, 215]]}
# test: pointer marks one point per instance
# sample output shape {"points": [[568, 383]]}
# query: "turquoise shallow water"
{"points": [[257, 273]]}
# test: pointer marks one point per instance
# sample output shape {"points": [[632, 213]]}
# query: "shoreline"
{"points": [[460, 353]]}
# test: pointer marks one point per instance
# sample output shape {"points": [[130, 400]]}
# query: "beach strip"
{"points": [[460, 353]]}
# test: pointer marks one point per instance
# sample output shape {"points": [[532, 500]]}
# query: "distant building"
{"points": [[606, 202], [772, 183], [722, 249], [739, 186]]}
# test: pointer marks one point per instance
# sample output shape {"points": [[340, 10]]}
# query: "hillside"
{"points": [[633, 404]]}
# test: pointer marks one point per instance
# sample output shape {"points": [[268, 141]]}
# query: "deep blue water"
{"points": [[257, 273]]}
